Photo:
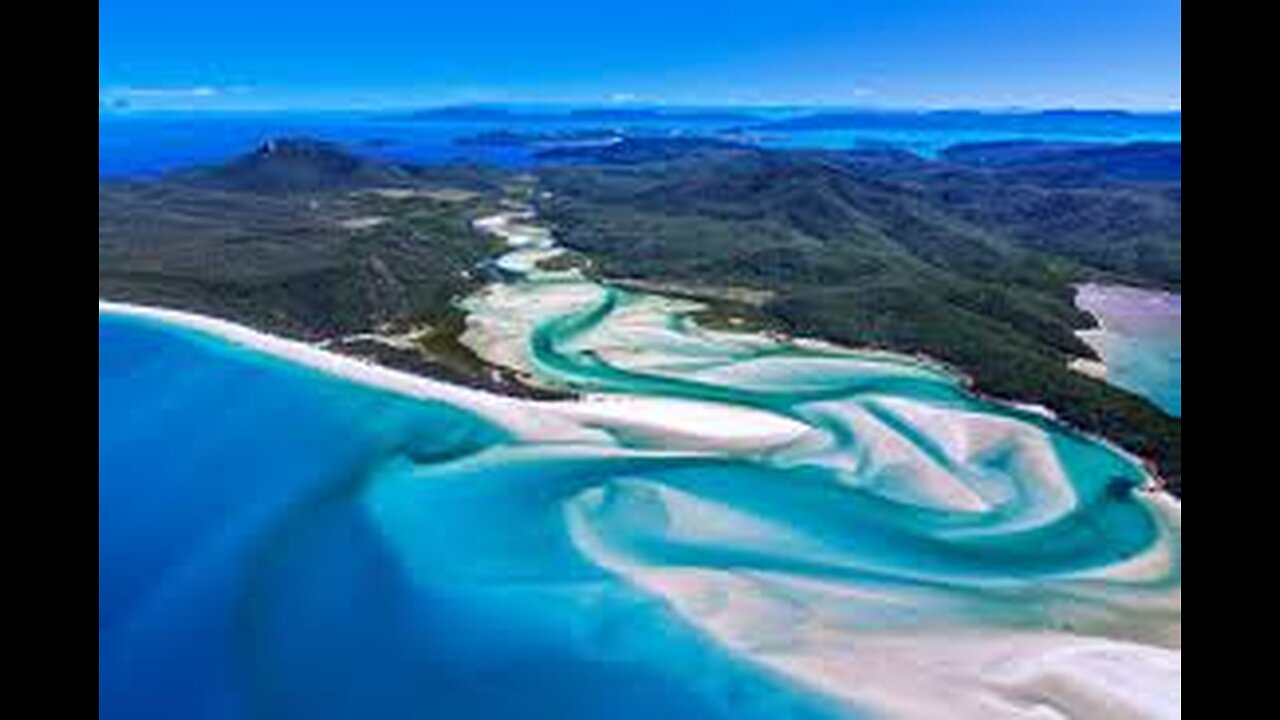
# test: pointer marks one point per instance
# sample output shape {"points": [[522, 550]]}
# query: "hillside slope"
{"points": [[972, 265]]}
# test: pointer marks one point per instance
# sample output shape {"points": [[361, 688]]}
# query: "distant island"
{"points": [[1067, 123], [526, 138], [612, 115], [1101, 121]]}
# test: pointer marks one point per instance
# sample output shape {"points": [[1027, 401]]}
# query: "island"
{"points": [[970, 259]]}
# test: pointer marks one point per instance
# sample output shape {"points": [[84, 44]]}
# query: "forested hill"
{"points": [[969, 258], [301, 238]]}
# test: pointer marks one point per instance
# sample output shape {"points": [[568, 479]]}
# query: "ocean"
{"points": [[280, 541], [276, 542], [140, 144], [732, 526]]}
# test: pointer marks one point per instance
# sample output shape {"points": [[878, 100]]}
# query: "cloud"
{"points": [[175, 97], [623, 97], [862, 92], [167, 96], [196, 91]]}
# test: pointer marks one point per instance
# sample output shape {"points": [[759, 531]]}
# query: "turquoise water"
{"points": [[1139, 340], [277, 542], [1149, 364]]}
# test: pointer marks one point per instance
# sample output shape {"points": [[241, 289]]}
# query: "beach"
{"points": [[854, 526], [1139, 340], [810, 495], [682, 423]]}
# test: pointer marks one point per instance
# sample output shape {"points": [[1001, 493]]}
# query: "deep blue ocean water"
{"points": [[134, 144], [148, 144], [211, 464], [278, 542]]}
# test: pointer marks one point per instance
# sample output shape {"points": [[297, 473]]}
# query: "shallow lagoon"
{"points": [[283, 542], [270, 545], [1139, 339]]}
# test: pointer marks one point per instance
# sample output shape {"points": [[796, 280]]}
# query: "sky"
{"points": [[260, 54]]}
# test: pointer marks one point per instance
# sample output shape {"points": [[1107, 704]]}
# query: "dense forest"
{"points": [[297, 237], [969, 258]]}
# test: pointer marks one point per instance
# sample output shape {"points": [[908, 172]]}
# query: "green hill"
{"points": [[971, 265], [969, 259]]}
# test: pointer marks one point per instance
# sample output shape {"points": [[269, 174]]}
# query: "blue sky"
{"points": [[395, 53]]}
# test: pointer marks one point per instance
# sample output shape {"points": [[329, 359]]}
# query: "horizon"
{"points": [[120, 105]]}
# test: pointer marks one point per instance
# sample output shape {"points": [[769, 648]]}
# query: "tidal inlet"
{"points": [[721, 524], [1139, 338]]}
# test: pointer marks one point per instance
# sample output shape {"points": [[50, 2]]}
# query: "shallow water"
{"points": [[1139, 339], [279, 542]]}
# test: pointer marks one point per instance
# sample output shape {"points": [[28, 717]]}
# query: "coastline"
{"points": [[699, 426], [686, 425], [491, 407], [516, 227], [1075, 668], [1127, 319]]}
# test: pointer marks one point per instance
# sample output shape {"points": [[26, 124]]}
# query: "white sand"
{"points": [[885, 461], [824, 635], [957, 665], [811, 630], [1121, 311], [407, 340], [492, 407], [501, 318], [367, 222], [1095, 369], [685, 424], [675, 423]]}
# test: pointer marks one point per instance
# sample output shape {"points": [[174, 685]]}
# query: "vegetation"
{"points": [[969, 258], [301, 239], [969, 263], [296, 264]]}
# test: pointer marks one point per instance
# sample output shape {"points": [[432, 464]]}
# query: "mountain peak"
{"points": [[299, 164]]}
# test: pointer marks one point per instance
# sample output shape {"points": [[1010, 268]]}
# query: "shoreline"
{"points": [[316, 358], [1008, 662], [1128, 314], [698, 426], [1106, 302], [701, 426]]}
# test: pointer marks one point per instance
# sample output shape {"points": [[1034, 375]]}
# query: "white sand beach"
{"points": [[677, 423]]}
